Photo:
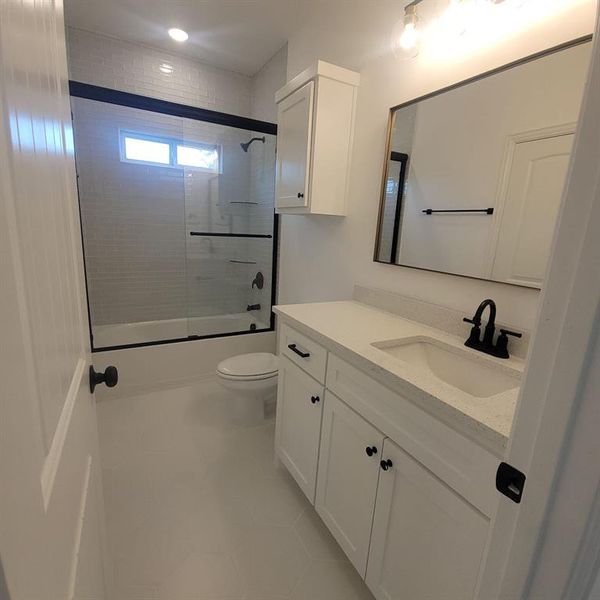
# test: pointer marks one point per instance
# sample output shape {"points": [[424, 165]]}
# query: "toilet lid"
{"points": [[249, 365]]}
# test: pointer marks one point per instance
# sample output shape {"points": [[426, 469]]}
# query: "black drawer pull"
{"points": [[315, 399], [301, 354], [371, 450], [386, 464], [300, 195]]}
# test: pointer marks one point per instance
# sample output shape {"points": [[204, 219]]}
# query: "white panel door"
{"points": [[294, 132], [348, 473], [427, 541], [298, 427], [52, 543], [530, 211]]}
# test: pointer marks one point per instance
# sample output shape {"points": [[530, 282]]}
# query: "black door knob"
{"points": [[315, 399], [110, 377], [371, 450], [386, 464]]}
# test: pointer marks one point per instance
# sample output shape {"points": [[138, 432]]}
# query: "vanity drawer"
{"points": [[458, 461], [304, 352]]}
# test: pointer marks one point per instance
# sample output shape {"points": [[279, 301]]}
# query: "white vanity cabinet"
{"points": [[408, 498], [314, 140], [347, 483], [427, 541]]}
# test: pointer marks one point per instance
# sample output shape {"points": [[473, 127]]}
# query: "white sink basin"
{"points": [[455, 366]]}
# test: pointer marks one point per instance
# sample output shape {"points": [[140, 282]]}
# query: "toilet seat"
{"points": [[249, 367]]}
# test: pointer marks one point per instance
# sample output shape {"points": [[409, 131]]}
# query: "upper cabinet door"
{"points": [[348, 471], [295, 116], [427, 541]]}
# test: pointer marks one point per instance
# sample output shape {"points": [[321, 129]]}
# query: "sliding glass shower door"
{"points": [[177, 217], [229, 232]]}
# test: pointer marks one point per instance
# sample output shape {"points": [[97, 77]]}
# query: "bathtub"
{"points": [[122, 334]]}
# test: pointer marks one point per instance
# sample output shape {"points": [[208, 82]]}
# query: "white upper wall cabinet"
{"points": [[314, 141]]}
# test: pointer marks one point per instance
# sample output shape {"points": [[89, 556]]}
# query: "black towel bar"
{"points": [[235, 235], [487, 211]]}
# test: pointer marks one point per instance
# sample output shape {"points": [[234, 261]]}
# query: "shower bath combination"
{"points": [[212, 217], [246, 145]]}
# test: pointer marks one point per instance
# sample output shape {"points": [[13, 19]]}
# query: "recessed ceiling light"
{"points": [[178, 34], [166, 68]]}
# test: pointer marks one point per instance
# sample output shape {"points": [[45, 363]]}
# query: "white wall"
{"points": [[322, 257], [265, 83], [120, 65]]}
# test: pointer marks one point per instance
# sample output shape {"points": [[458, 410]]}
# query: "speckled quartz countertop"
{"points": [[350, 328]]}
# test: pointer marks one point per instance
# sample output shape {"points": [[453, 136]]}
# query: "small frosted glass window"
{"points": [[201, 158], [147, 151]]}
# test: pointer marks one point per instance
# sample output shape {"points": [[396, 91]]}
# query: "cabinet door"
{"points": [[427, 541], [298, 427], [294, 131], [347, 481]]}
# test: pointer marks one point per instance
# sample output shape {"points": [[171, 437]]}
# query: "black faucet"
{"points": [[253, 307], [500, 349]]}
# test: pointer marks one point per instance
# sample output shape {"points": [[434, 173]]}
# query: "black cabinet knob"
{"points": [[315, 399], [386, 464], [371, 450], [110, 377], [300, 195]]}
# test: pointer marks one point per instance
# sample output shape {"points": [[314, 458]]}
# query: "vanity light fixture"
{"points": [[459, 18], [179, 35], [405, 38]]}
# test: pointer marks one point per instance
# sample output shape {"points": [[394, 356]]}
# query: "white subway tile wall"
{"points": [[112, 63], [142, 264]]}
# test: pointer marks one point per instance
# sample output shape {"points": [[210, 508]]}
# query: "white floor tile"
{"points": [[207, 576], [331, 581], [272, 561], [317, 540], [198, 509], [276, 501]]}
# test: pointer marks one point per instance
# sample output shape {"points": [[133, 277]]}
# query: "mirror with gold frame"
{"points": [[474, 174]]}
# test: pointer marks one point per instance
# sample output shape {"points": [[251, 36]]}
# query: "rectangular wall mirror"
{"points": [[475, 173]]}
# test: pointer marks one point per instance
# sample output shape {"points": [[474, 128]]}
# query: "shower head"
{"points": [[246, 145]]}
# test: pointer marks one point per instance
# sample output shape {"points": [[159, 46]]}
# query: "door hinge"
{"points": [[510, 482]]}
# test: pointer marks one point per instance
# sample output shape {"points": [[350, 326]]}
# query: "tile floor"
{"points": [[197, 509]]}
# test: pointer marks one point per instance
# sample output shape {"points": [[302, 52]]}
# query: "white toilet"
{"points": [[253, 380]]}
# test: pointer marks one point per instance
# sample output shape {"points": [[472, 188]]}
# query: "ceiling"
{"points": [[239, 35]]}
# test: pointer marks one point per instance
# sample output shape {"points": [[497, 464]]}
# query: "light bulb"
{"points": [[178, 34], [406, 34], [409, 37]]}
